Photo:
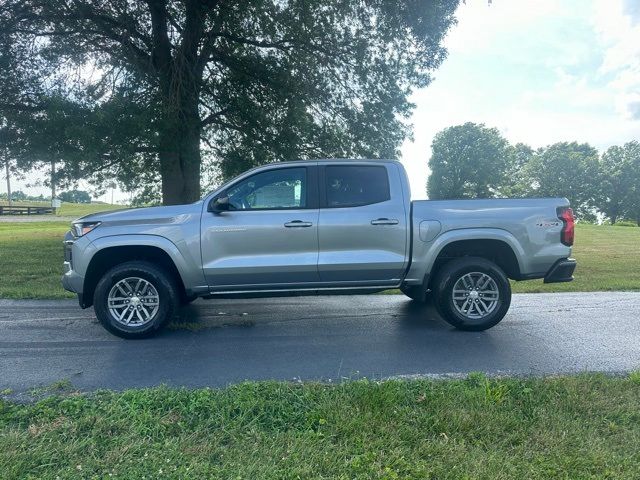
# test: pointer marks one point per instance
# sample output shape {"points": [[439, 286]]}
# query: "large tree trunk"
{"points": [[179, 78], [180, 162]]}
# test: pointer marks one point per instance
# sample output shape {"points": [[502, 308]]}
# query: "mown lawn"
{"points": [[81, 209], [608, 259], [31, 261], [73, 209], [572, 427]]}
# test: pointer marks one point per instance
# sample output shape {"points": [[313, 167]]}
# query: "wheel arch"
{"points": [[108, 255], [498, 246]]}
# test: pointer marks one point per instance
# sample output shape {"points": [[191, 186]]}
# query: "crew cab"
{"points": [[316, 226]]}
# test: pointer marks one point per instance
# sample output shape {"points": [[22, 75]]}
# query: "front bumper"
{"points": [[72, 282], [561, 271]]}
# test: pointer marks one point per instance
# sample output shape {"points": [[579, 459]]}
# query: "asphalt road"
{"points": [[316, 338]]}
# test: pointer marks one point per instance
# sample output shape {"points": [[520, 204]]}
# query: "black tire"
{"points": [[454, 271], [164, 284]]}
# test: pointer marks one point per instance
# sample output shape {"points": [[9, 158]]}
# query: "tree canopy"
{"points": [[472, 161], [75, 196], [144, 90], [468, 161], [568, 170]]}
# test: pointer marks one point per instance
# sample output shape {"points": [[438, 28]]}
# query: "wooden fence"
{"points": [[25, 210]]}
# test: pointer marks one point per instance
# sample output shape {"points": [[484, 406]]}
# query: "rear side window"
{"points": [[355, 185]]}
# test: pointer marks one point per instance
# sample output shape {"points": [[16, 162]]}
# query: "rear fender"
{"points": [[426, 253]]}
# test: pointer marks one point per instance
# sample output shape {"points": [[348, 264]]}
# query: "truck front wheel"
{"points": [[135, 299], [472, 293]]}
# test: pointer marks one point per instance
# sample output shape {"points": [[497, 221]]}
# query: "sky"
{"points": [[541, 71]]}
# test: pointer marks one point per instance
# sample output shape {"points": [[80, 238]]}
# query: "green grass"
{"points": [[73, 209], [81, 209], [573, 427], [608, 259], [31, 259]]}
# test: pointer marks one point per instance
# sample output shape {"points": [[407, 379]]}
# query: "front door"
{"points": [[269, 236]]}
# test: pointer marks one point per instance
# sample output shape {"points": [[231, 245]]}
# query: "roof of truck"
{"points": [[336, 160]]}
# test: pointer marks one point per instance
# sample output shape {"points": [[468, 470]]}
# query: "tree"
{"points": [[75, 196], [631, 203], [254, 81], [568, 170], [515, 182], [618, 180], [468, 161]]}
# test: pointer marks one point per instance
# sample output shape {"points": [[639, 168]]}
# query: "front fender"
{"points": [[190, 272]]}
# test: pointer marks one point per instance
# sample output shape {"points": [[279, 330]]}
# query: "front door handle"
{"points": [[384, 221], [298, 224]]}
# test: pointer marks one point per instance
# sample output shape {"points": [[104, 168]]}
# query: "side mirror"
{"points": [[220, 204]]}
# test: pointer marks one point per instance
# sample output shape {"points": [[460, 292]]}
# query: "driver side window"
{"points": [[282, 188]]}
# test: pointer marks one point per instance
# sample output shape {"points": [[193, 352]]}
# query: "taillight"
{"points": [[568, 225]]}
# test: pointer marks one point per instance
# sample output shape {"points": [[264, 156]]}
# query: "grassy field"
{"points": [[72, 209], [574, 427], [31, 259], [608, 259], [81, 209]]}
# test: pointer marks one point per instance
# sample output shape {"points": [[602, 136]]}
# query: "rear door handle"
{"points": [[384, 221], [297, 224]]}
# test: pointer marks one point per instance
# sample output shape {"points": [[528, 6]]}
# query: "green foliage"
{"points": [[616, 182], [568, 170], [569, 427], [19, 196], [516, 183], [75, 196], [468, 161], [254, 81], [472, 161], [621, 185]]}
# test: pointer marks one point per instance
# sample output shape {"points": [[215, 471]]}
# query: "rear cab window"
{"points": [[355, 185]]}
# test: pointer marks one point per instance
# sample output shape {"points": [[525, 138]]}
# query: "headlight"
{"points": [[82, 228]]}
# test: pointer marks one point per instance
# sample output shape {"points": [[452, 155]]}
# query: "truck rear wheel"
{"points": [[135, 299], [472, 293]]}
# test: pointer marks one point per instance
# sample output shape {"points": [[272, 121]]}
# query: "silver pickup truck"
{"points": [[327, 226]]}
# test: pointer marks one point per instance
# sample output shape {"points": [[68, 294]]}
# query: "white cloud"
{"points": [[540, 71], [618, 30], [480, 22]]}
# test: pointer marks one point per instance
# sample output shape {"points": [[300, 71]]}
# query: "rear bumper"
{"points": [[562, 271]]}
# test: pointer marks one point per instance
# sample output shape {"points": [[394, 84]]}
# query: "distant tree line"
{"points": [[20, 196], [474, 161]]}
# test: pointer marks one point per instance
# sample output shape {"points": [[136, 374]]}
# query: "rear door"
{"points": [[269, 237], [363, 227]]}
